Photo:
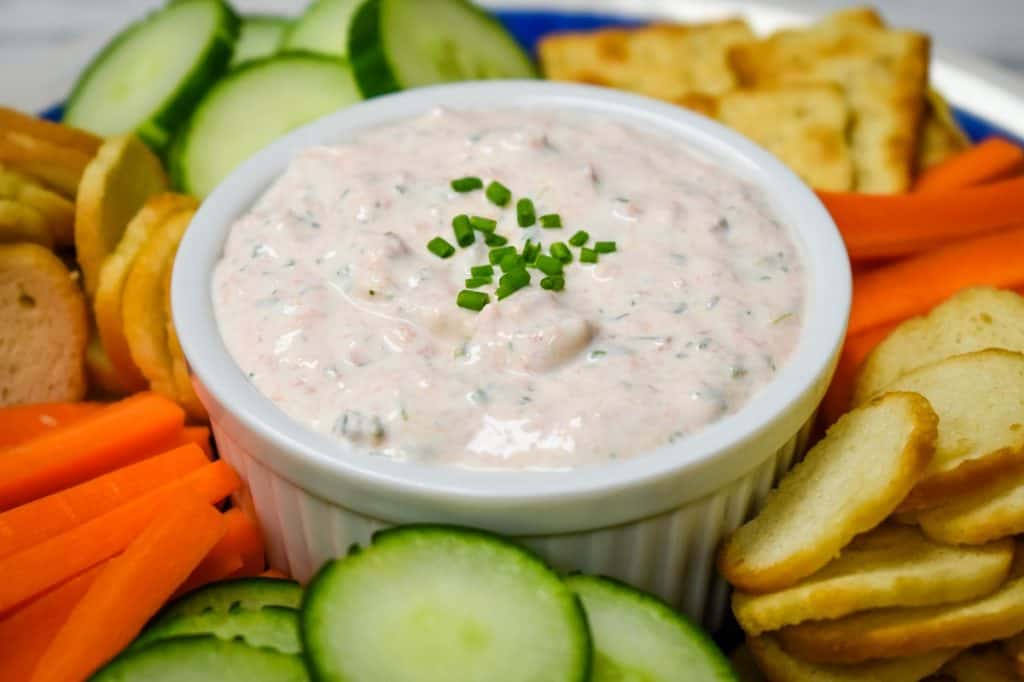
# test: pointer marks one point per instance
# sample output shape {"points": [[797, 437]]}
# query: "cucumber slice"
{"points": [[436, 604], [191, 659], [275, 627], [222, 597], [251, 107], [261, 36], [638, 637], [323, 28], [396, 44], [151, 75]]}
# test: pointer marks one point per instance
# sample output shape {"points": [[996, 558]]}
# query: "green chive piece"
{"points": [[549, 265], [477, 282], [561, 252], [579, 239], [467, 184], [525, 213], [483, 224], [530, 251], [604, 247], [553, 283], [463, 230], [503, 292], [588, 255], [493, 239], [481, 271], [498, 193], [551, 220], [440, 247], [472, 300], [514, 279], [511, 261], [496, 255]]}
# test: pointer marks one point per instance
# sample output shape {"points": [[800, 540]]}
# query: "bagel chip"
{"points": [[187, 397], [21, 223], [54, 133], [56, 166], [1014, 648], [979, 516], [114, 187], [103, 378], [982, 664], [848, 483], [780, 666], [57, 212]]}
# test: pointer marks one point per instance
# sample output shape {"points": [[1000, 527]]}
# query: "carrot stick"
{"points": [[20, 423], [232, 555], [47, 517], [200, 435], [131, 589], [26, 634], [993, 159], [855, 350], [117, 435], [890, 225], [40, 567], [217, 566], [276, 574], [910, 287]]}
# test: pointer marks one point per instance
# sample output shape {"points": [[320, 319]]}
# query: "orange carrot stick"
{"points": [[276, 574], [23, 422], [34, 570], [988, 161], [131, 589], [26, 634], [47, 517], [910, 287], [117, 435], [855, 350], [235, 552], [890, 225], [200, 435]]}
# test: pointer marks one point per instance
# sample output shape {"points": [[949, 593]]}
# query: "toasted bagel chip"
{"points": [[145, 327], [54, 133], [114, 187], [744, 665], [847, 484], [103, 378], [891, 633], [1014, 648], [22, 223], [187, 397], [44, 327], [973, 319], [56, 166], [982, 664], [979, 398], [941, 136], [107, 302], [981, 515], [888, 566], [780, 666], [58, 212]]}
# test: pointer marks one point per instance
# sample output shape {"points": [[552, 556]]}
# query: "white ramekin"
{"points": [[654, 520]]}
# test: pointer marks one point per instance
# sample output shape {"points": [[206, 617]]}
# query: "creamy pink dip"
{"points": [[329, 301]]}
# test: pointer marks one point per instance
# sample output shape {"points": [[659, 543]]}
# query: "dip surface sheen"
{"points": [[330, 302]]}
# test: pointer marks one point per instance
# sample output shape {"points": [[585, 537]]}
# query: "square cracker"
{"points": [[677, 63], [804, 125], [883, 73]]}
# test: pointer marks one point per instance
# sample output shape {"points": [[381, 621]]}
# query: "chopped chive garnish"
{"points": [[463, 230], [496, 255], [481, 271], [549, 265], [483, 224], [604, 247], [467, 184], [579, 239], [472, 300], [498, 193], [551, 220], [519, 277], [502, 292], [588, 255], [530, 251], [475, 282], [511, 261], [493, 239], [553, 283], [440, 247], [561, 252], [525, 213]]}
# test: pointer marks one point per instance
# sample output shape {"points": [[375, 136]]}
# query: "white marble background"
{"points": [[39, 38]]}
